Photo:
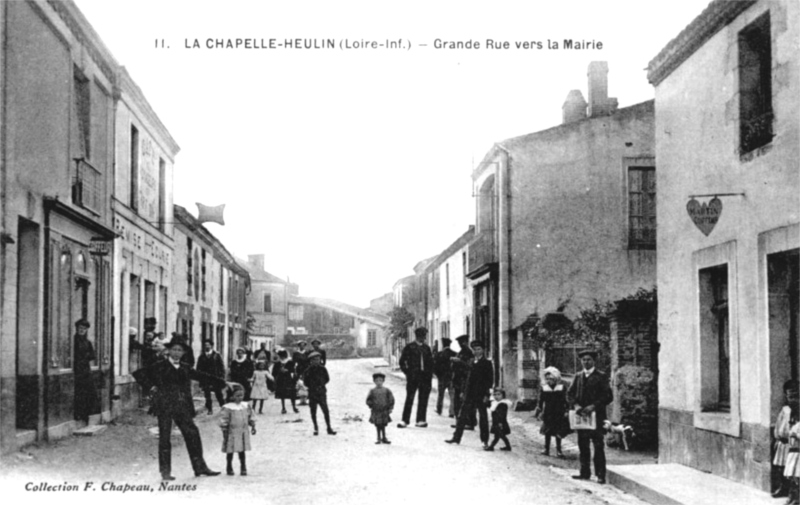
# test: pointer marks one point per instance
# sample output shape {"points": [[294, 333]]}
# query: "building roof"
{"points": [[715, 17], [424, 264], [460, 242], [405, 280], [182, 217], [258, 275], [553, 133], [344, 308]]}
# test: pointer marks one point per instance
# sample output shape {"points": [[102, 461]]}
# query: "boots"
{"points": [[229, 468], [794, 493]]}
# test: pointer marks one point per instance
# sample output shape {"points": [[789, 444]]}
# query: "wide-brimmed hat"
{"points": [[82, 322], [588, 352], [301, 342], [314, 354], [316, 341]]}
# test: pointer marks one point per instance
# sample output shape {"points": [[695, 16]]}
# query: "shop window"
{"points": [[755, 85], [715, 339]]}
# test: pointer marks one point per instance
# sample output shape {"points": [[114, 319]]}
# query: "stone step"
{"points": [[90, 431], [674, 484]]}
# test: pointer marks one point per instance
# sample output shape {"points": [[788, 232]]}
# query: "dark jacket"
{"points": [[323, 356], [461, 367], [416, 361], [211, 365], [500, 419], [593, 390], [241, 372], [174, 386], [480, 380], [442, 366], [301, 361], [315, 378]]}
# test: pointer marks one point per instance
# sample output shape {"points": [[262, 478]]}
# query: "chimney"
{"points": [[574, 108], [599, 103], [257, 260]]}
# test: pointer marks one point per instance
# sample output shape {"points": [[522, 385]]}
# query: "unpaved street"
{"points": [[289, 465]]}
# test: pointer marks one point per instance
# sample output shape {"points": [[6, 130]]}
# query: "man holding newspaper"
{"points": [[588, 396]]}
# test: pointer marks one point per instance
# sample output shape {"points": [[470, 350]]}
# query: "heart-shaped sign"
{"points": [[705, 216]]}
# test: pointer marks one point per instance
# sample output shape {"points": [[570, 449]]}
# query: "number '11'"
{"points": [[160, 43]]}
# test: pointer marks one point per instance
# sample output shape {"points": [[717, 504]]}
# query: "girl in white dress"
{"points": [[260, 390]]}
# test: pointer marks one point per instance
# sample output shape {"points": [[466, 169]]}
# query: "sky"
{"points": [[347, 166]]}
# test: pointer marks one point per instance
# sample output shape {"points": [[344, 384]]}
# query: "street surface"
{"points": [[289, 465]]}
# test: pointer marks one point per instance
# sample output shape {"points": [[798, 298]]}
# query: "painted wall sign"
{"points": [[705, 216]]}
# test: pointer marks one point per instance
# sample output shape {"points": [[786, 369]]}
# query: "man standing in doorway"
{"points": [[476, 396], [210, 363], [590, 392], [416, 362]]}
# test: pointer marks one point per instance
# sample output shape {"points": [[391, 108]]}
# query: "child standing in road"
{"points": [[552, 410], [315, 378], [500, 428], [381, 402], [237, 423], [260, 391]]}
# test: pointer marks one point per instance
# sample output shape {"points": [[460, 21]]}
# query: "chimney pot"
{"points": [[599, 103], [574, 108]]}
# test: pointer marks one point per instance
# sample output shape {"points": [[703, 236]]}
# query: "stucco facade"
{"points": [[143, 219], [554, 224], [728, 298], [56, 169], [266, 304]]}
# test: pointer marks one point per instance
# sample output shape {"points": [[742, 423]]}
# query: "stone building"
{"points": [[450, 305], [564, 217], [266, 304], [56, 172], [344, 330], [143, 219], [209, 287], [728, 141]]}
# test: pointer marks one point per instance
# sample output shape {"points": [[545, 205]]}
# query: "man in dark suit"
{"points": [[461, 364], [416, 362], [210, 363], [590, 392], [443, 369], [169, 382], [476, 396]]}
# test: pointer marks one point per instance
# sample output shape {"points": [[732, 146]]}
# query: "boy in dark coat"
{"points": [[315, 378], [591, 392], [169, 383]]}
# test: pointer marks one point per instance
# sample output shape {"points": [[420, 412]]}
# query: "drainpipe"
{"points": [[43, 422]]}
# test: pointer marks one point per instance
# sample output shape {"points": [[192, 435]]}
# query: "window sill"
{"points": [[720, 422], [755, 153]]}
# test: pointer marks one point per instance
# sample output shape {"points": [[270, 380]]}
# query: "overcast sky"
{"points": [[347, 167]]}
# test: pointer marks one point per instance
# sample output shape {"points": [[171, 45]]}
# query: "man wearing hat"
{"points": [[461, 364], [443, 369], [476, 396], [169, 382], [210, 363], [315, 347], [87, 401], [590, 392], [416, 362]]}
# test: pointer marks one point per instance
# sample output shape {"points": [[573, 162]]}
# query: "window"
{"points": [[196, 274], [715, 339], [267, 302], [642, 207], [221, 285], [83, 110], [189, 278], [755, 85], [447, 279], [203, 273], [162, 196], [134, 187], [295, 312], [372, 338], [464, 269]]}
